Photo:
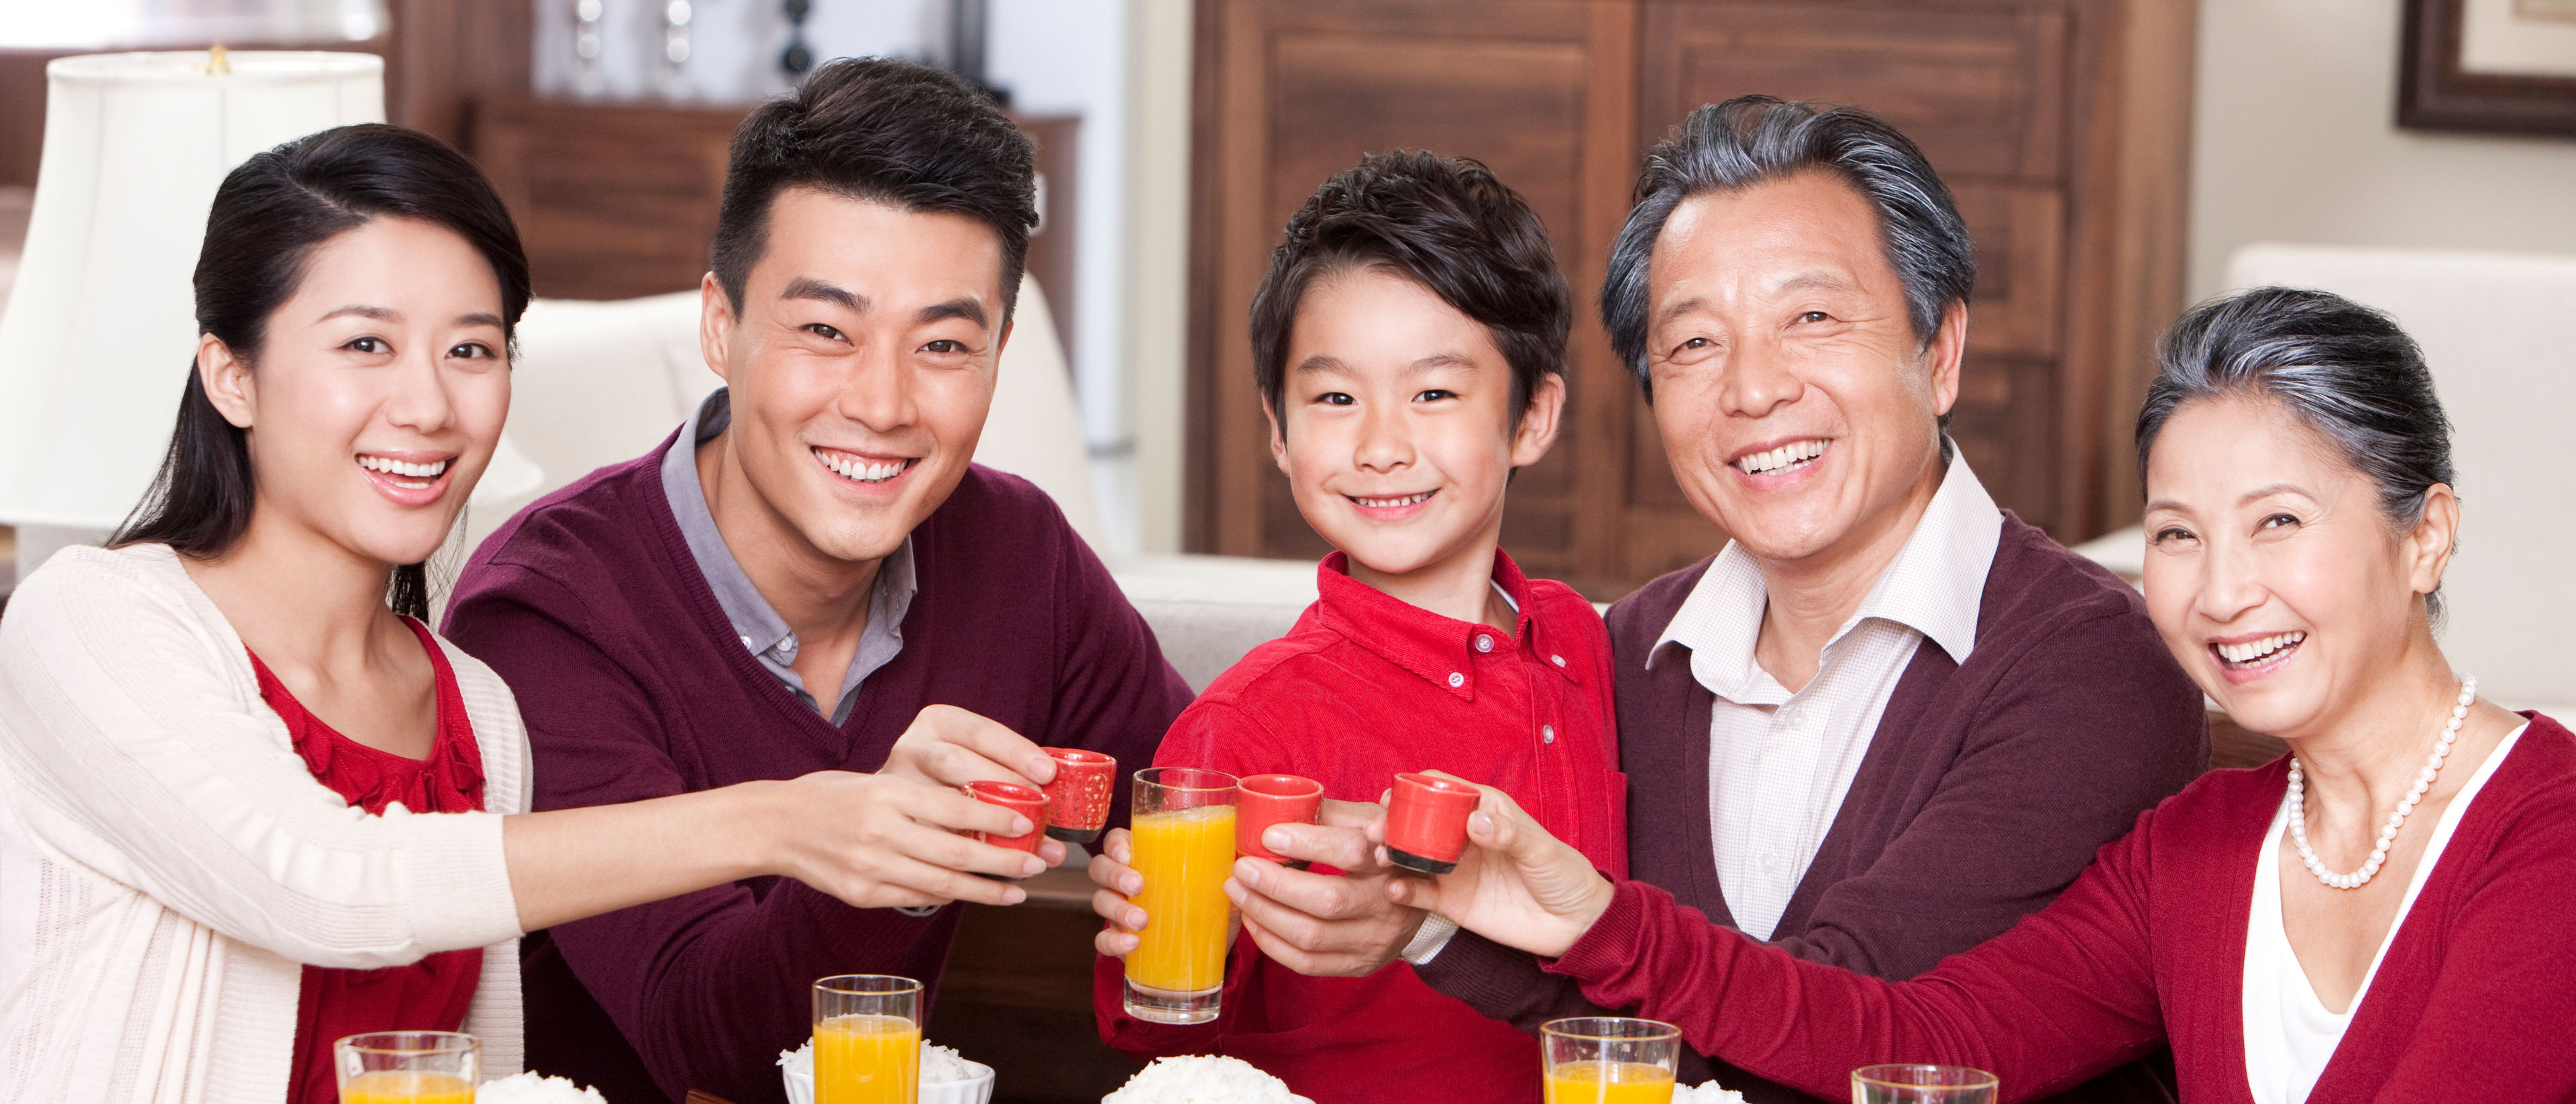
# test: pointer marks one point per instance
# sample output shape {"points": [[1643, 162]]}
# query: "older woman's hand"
{"points": [[1518, 885]]}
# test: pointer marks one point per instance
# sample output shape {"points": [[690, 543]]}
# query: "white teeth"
{"points": [[1795, 452], [861, 470], [2252, 650], [388, 466], [1392, 503]]}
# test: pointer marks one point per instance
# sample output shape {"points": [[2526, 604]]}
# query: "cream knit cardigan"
{"points": [[168, 864]]}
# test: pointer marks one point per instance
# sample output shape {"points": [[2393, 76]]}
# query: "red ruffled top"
{"points": [[433, 993]]}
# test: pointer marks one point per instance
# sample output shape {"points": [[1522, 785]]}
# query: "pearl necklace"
{"points": [[2379, 854]]}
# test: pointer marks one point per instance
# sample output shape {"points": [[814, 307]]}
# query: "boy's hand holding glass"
{"points": [[1516, 885], [1324, 925]]}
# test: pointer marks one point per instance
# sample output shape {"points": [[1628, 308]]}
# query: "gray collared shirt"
{"points": [[755, 623]]}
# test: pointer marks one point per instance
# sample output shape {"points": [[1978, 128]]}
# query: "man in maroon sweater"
{"points": [[1888, 719], [809, 576]]}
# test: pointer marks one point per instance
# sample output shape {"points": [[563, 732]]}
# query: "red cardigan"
{"points": [[2476, 998]]}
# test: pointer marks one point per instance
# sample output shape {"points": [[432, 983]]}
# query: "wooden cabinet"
{"points": [[2060, 125]]}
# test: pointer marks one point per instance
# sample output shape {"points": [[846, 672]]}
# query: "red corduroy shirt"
{"points": [[1365, 686]]}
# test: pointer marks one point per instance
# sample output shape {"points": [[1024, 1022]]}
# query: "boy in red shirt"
{"points": [[1409, 346]]}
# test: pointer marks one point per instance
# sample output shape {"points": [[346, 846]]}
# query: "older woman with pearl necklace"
{"points": [[2384, 913]]}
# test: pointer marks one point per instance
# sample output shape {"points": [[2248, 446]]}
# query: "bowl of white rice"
{"points": [[1203, 1079], [946, 1076], [534, 1088]]}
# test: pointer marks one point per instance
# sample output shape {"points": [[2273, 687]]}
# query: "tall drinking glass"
{"points": [[1609, 1060], [408, 1067], [1184, 844], [867, 1039], [1922, 1084]]}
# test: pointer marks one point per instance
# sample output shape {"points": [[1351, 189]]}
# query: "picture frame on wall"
{"points": [[2501, 66]]}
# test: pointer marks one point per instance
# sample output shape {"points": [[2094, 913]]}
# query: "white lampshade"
{"points": [[100, 329]]}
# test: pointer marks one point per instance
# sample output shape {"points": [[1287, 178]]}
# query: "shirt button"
{"points": [[1557, 659], [1547, 734], [1484, 643], [1770, 861], [1456, 680], [747, 645]]}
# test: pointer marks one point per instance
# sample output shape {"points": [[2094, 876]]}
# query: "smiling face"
{"points": [[861, 367], [1398, 436], [378, 393], [2272, 572], [1796, 403]]}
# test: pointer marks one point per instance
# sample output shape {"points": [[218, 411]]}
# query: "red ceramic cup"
{"points": [[1266, 799], [1078, 799], [1426, 822], [1019, 799]]}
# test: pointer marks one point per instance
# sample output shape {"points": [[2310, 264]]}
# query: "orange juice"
{"points": [[1609, 1083], [1184, 856], [406, 1087], [867, 1060]]}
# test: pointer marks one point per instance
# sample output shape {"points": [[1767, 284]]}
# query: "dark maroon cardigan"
{"points": [[634, 685], [1985, 790]]}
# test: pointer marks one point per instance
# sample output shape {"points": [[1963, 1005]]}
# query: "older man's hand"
{"points": [[1324, 925]]}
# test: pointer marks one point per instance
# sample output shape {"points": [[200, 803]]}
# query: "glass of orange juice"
{"points": [[1915, 1083], [867, 1039], [408, 1067], [1609, 1060], [1184, 845]]}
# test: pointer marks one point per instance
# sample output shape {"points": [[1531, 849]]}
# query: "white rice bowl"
{"points": [[529, 1087], [946, 1076], [1706, 1092], [1203, 1079]]}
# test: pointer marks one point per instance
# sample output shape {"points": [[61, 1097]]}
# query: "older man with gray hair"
{"points": [[1888, 719]]}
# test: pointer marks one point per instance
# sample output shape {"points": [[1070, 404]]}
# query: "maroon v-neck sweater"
{"points": [[2475, 998], [634, 685], [1985, 790]]}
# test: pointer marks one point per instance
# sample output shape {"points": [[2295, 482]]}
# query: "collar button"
{"points": [[1484, 642], [1456, 680], [1557, 659]]}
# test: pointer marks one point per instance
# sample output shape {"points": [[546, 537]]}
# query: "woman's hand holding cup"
{"points": [[1516, 884]]}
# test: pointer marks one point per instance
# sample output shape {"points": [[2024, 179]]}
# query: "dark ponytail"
{"points": [[269, 216]]}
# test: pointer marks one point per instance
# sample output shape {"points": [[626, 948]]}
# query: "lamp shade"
{"points": [[100, 329]]}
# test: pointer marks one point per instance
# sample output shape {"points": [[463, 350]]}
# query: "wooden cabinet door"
{"points": [[1293, 91]]}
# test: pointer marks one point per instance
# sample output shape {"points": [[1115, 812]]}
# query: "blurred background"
{"points": [[2115, 159], [2110, 156]]}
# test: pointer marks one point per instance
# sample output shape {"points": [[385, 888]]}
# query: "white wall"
{"points": [[2295, 141]]}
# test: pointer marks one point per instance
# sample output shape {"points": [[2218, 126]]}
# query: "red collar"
{"points": [[1441, 650]]}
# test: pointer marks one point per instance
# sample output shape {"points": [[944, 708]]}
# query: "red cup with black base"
{"points": [[1027, 802], [1426, 822], [1078, 799], [1266, 799]]}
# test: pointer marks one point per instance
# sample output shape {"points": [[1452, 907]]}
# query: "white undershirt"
{"points": [[2289, 1034]]}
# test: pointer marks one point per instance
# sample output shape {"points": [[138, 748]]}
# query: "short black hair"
{"points": [[1442, 222], [893, 132], [1752, 140]]}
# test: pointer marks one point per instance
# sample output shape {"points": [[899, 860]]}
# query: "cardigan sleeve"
{"points": [[2064, 995], [134, 738], [690, 981]]}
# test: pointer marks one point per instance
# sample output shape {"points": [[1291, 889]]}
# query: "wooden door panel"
{"points": [[2020, 231], [1975, 84]]}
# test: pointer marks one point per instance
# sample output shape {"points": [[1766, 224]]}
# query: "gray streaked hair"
{"points": [[2346, 371], [1752, 140]]}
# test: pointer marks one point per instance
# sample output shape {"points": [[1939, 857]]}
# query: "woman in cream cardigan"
{"points": [[200, 725]]}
